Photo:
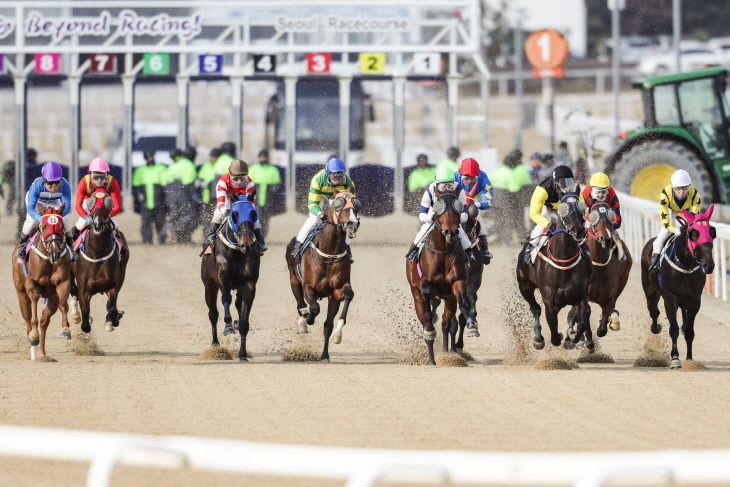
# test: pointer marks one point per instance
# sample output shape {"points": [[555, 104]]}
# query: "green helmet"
{"points": [[444, 175]]}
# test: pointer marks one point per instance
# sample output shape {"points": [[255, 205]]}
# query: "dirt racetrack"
{"points": [[151, 380]]}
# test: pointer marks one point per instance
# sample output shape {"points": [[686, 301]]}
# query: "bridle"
{"points": [[569, 205], [446, 202], [600, 211], [344, 201], [54, 222], [235, 243], [100, 203]]}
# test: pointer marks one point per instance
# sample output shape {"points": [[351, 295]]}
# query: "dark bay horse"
{"points": [[232, 262], [561, 276], [48, 276], [325, 268], [101, 265], [609, 275], [441, 274], [680, 278]]}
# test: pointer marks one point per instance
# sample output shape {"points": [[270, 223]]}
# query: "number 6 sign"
{"points": [[46, 63], [319, 63]]}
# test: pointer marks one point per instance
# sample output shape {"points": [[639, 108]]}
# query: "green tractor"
{"points": [[687, 126]]}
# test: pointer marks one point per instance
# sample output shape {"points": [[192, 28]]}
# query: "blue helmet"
{"points": [[334, 165]]}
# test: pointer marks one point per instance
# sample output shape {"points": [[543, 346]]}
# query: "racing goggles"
{"points": [[98, 177], [599, 193], [238, 178], [446, 186], [52, 183], [566, 185], [682, 189], [338, 176]]}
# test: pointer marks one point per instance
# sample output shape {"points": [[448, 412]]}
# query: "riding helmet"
{"points": [[600, 180], [469, 167], [444, 175], [98, 165], [563, 178], [334, 165], [51, 171], [680, 178], [238, 168]]}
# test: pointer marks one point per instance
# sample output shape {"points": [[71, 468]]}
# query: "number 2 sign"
{"points": [[103, 64], [47, 63], [319, 63]]}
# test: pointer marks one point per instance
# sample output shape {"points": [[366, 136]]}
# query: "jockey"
{"points": [[98, 179], [332, 177], [679, 195], [232, 186], [545, 200], [52, 190], [599, 190], [443, 181], [474, 181]]}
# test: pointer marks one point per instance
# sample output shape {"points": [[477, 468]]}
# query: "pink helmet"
{"points": [[99, 165]]}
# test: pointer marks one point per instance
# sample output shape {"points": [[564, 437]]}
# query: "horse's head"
{"points": [[447, 211], [343, 211], [601, 218], [700, 235], [571, 211], [241, 219], [52, 230], [99, 206]]}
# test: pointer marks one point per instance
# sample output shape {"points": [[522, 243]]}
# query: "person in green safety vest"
{"points": [[181, 175], [228, 155], [7, 176], [148, 184], [509, 182], [418, 179], [266, 177], [452, 155], [205, 185]]}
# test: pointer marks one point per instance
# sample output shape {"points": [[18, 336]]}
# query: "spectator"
{"points": [[266, 178], [31, 156], [562, 156], [205, 184], [452, 155], [418, 179], [547, 163], [533, 166], [7, 176], [228, 155], [148, 183]]}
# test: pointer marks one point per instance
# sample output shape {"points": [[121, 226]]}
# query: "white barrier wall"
{"points": [[363, 467], [641, 222]]}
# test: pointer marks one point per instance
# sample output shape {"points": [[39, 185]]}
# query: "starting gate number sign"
{"points": [[103, 63], [372, 62], [427, 63], [210, 63], [264, 63], [156, 63], [547, 50], [47, 63], [319, 63]]}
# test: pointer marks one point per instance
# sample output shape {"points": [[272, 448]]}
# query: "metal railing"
{"points": [[641, 222], [364, 467]]}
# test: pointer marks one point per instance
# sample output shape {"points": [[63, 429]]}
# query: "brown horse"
{"points": [[609, 274], [680, 278], [561, 276], [48, 276], [101, 264], [441, 274], [325, 268]]}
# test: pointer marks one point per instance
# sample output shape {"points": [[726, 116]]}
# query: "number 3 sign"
{"points": [[46, 63], [319, 63], [547, 50]]}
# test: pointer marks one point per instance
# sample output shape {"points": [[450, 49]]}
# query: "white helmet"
{"points": [[680, 178]]}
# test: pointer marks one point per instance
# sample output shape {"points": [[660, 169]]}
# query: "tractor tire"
{"points": [[633, 172]]}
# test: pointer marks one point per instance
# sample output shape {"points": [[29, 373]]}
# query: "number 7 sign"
{"points": [[103, 64]]}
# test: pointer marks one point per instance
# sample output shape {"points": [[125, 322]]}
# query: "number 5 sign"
{"points": [[319, 63], [46, 63], [547, 50]]}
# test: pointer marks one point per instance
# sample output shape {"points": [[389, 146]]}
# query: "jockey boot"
{"points": [[469, 255], [349, 255], [70, 244], [528, 250], [412, 253], [296, 250], [260, 239], [654, 262], [211, 234], [619, 248], [486, 254], [21, 245]]}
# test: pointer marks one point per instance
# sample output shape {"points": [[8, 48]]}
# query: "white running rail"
{"points": [[362, 467], [641, 222]]}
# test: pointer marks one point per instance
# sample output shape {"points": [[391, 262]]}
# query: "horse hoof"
{"points": [[556, 340], [235, 325], [538, 344], [431, 362], [33, 341], [244, 359], [601, 331], [108, 326], [228, 330], [473, 333], [676, 364], [568, 345], [656, 329], [615, 324], [324, 359], [591, 346], [66, 333], [302, 326], [86, 328], [571, 333], [337, 336], [75, 318]]}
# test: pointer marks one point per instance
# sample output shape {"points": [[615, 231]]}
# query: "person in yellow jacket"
{"points": [[545, 200], [679, 195]]}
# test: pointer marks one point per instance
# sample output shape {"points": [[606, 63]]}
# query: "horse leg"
{"points": [[449, 324], [239, 301], [570, 332], [459, 289], [684, 318], [527, 289], [670, 308], [313, 306], [85, 305], [25, 308], [62, 292], [584, 310], [227, 319], [551, 316], [33, 335], [74, 305], [244, 301], [347, 296], [429, 332], [689, 327], [211, 299], [460, 339], [51, 307], [302, 310], [333, 306], [652, 293], [112, 315], [473, 284]]}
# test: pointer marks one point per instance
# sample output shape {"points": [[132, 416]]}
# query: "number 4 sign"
{"points": [[46, 63], [103, 63], [264, 63]]}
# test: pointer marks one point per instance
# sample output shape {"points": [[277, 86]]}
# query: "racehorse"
{"points": [[609, 275], [680, 277], [561, 276], [101, 264], [232, 262], [45, 274], [441, 274], [324, 268]]}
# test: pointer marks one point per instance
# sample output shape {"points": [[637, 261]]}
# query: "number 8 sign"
{"points": [[47, 63]]}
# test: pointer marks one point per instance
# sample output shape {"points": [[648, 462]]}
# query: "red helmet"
{"points": [[469, 167]]}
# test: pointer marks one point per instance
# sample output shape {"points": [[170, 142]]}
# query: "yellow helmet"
{"points": [[600, 180]]}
